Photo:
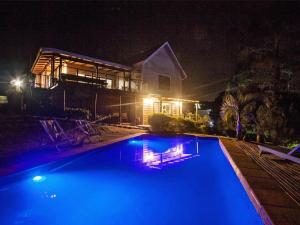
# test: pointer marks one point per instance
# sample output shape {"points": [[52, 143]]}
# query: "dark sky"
{"points": [[205, 36]]}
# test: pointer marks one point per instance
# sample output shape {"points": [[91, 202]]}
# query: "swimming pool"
{"points": [[145, 180]]}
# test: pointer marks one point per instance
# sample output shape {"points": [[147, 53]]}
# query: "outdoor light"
{"points": [[38, 178], [177, 104], [148, 101], [18, 83]]}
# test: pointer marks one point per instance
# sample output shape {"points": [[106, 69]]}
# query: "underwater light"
{"points": [[38, 178]]}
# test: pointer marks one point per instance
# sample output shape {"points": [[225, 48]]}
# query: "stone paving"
{"points": [[272, 200]]}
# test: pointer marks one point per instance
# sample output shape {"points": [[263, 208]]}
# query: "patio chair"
{"points": [[57, 134], [86, 127], [282, 155]]}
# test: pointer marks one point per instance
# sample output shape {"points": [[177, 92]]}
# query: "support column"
{"points": [[97, 72], [120, 109], [60, 68], [64, 99], [135, 121], [52, 71], [130, 81], [196, 113], [124, 76], [96, 99]]}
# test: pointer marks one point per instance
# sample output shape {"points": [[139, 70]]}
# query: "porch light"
{"points": [[177, 103], [148, 101]]}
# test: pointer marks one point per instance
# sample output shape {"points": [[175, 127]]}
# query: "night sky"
{"points": [[205, 36]]}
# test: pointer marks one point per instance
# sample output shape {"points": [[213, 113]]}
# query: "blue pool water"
{"points": [[146, 180]]}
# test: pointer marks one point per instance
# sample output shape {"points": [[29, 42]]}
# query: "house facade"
{"points": [[131, 93]]}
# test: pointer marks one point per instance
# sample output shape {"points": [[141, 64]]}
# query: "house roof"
{"points": [[143, 57], [43, 55]]}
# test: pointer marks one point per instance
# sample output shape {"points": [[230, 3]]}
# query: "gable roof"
{"points": [[147, 55], [141, 56]]}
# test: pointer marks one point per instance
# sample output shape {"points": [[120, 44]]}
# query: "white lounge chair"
{"points": [[86, 127], [57, 134], [282, 155]]}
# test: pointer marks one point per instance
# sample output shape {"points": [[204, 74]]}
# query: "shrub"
{"points": [[161, 123], [78, 113]]}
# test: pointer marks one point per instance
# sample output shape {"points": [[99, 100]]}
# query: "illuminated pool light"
{"points": [[38, 178]]}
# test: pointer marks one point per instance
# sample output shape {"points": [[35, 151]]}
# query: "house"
{"points": [[131, 92]]}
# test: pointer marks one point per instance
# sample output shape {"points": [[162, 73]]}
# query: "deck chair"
{"points": [[57, 134], [86, 127], [282, 155]]}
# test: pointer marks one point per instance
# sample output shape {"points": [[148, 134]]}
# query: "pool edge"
{"points": [[253, 198], [86, 150]]}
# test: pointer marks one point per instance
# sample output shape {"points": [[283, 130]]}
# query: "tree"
{"points": [[271, 120], [237, 109]]}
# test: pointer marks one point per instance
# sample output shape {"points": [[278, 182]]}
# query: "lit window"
{"points": [[109, 83]]}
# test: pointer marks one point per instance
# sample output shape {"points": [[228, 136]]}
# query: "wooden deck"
{"points": [[272, 184]]}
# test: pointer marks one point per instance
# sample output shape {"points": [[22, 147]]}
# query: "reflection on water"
{"points": [[156, 155]]}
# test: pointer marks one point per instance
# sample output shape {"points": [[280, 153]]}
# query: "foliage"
{"points": [[78, 113], [292, 144], [271, 121], [161, 123], [237, 108]]}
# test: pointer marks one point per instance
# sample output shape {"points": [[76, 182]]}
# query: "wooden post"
{"points": [[60, 67], [129, 81], [196, 105], [52, 70], [64, 99], [120, 110], [160, 110], [124, 81], [97, 72], [96, 99], [135, 120]]}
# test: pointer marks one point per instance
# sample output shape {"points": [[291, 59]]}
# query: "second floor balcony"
{"points": [[53, 65]]}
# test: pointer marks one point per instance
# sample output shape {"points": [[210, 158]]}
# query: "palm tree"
{"points": [[239, 108]]}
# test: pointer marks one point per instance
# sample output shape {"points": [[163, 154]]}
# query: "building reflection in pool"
{"points": [[147, 156]]}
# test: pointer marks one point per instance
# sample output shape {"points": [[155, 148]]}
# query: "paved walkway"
{"points": [[42, 156], [272, 184]]}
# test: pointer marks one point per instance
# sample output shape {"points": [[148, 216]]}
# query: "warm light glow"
{"points": [[17, 82], [148, 101], [148, 156], [64, 68], [177, 103]]}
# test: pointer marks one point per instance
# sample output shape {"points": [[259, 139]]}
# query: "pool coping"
{"points": [[252, 196], [247, 187]]}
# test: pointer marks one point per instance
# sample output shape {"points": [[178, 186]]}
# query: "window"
{"points": [[163, 82], [109, 84]]}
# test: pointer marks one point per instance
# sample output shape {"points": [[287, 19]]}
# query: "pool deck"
{"points": [[24, 162], [271, 201]]}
